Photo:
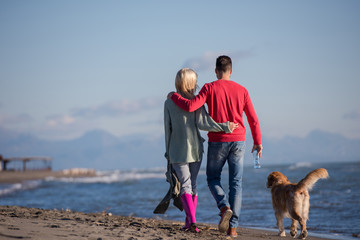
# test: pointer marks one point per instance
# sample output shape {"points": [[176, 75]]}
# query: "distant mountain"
{"points": [[101, 150], [318, 146], [95, 149]]}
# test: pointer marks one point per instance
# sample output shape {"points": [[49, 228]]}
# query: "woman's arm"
{"points": [[206, 123]]}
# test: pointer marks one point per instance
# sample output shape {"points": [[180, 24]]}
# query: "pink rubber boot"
{"points": [[188, 205], [195, 198], [187, 222]]}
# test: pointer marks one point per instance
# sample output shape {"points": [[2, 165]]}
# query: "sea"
{"points": [[334, 202]]}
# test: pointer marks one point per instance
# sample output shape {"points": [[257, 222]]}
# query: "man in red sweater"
{"points": [[226, 101]]}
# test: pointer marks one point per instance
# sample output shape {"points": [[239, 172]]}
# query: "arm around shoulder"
{"points": [[191, 105], [205, 122]]}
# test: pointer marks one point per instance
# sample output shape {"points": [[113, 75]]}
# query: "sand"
{"points": [[32, 223]]}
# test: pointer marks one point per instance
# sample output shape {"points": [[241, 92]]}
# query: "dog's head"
{"points": [[276, 178]]}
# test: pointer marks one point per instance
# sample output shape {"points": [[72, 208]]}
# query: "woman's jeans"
{"points": [[233, 154], [187, 174]]}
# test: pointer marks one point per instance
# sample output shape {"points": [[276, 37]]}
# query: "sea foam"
{"points": [[116, 176], [12, 188]]}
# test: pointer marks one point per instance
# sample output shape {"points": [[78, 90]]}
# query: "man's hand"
{"points": [[233, 126], [170, 94], [259, 149]]}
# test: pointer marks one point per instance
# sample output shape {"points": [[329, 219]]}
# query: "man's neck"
{"points": [[224, 76]]}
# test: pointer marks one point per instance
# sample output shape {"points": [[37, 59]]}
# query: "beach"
{"points": [[119, 205], [33, 223]]}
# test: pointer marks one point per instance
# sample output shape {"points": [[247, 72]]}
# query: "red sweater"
{"points": [[226, 101]]}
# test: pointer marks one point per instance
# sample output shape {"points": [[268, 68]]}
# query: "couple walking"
{"points": [[184, 115]]}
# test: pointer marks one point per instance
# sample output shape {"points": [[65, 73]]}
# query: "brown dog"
{"points": [[292, 199]]}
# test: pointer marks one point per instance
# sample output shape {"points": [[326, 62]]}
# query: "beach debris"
{"points": [[104, 212], [54, 226], [99, 223], [135, 224]]}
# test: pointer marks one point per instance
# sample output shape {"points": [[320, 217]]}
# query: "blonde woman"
{"points": [[184, 144]]}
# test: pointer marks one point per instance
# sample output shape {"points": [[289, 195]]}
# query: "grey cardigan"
{"points": [[183, 141], [173, 192]]}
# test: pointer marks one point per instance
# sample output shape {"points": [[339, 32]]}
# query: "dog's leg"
{"points": [[303, 233], [302, 221], [305, 214], [280, 224], [293, 229]]}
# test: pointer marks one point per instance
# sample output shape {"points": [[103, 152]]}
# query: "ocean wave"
{"points": [[12, 188], [116, 176], [300, 165]]}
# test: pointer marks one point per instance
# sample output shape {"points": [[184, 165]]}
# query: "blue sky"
{"points": [[67, 67]]}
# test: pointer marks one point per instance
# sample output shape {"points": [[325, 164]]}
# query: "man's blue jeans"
{"points": [[218, 154]]}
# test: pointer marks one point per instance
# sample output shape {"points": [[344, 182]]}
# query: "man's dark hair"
{"points": [[223, 64]]}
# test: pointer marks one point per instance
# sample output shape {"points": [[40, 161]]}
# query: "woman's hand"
{"points": [[233, 126], [170, 94]]}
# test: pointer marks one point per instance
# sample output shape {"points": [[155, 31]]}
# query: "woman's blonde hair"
{"points": [[185, 82]]}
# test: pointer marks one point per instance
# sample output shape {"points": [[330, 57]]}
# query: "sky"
{"points": [[68, 67]]}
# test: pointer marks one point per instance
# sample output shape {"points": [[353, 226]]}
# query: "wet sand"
{"points": [[32, 223]]}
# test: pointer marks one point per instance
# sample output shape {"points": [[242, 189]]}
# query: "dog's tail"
{"points": [[309, 181]]}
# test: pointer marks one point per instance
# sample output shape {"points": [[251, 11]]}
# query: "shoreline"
{"points": [[12, 177], [33, 223]]}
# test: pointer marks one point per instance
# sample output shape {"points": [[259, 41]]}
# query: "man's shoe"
{"points": [[232, 232], [226, 214]]}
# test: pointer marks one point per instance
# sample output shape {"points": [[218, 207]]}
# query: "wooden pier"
{"points": [[25, 163]]}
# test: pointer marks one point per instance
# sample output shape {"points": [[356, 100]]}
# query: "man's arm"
{"points": [[193, 104], [254, 125]]}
